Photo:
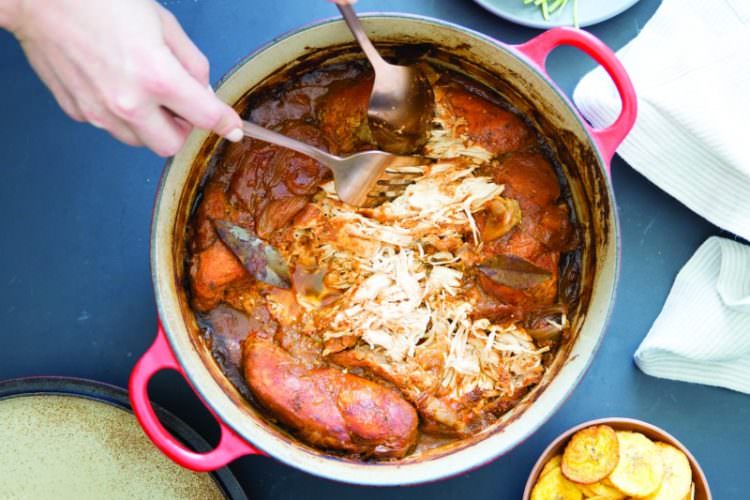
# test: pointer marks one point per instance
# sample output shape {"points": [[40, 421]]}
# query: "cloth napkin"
{"points": [[691, 70], [703, 333]]}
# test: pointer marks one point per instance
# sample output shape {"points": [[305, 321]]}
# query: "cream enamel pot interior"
{"points": [[518, 73]]}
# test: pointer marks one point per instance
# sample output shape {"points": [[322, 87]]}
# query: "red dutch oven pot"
{"points": [[518, 72]]}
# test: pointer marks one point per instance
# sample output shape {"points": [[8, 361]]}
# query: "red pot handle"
{"points": [[160, 357], [537, 49]]}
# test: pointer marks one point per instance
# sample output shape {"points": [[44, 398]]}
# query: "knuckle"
{"points": [[129, 139], [91, 114], [155, 83], [67, 105], [125, 106], [72, 111], [149, 75]]}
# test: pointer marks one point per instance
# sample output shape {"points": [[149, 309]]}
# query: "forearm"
{"points": [[10, 12]]}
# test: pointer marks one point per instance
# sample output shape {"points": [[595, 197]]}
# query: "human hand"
{"points": [[125, 66]]}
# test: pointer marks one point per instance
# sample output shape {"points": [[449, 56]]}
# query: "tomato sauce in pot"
{"points": [[407, 325]]}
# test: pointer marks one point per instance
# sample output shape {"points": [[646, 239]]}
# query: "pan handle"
{"points": [[538, 48], [160, 357]]}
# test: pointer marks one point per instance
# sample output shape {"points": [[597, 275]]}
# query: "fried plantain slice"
{"points": [[587, 492], [677, 474], [554, 486], [591, 454], [602, 490], [608, 482], [553, 463], [640, 470]]}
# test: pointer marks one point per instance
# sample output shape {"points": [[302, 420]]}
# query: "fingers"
{"points": [[190, 56], [121, 130], [96, 114], [90, 102], [176, 90], [154, 97], [195, 103], [182, 124], [161, 133]]}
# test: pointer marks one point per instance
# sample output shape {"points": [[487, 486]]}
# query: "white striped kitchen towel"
{"points": [[691, 71], [690, 66], [703, 333]]}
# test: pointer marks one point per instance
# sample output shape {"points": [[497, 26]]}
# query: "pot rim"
{"points": [[381, 467]]}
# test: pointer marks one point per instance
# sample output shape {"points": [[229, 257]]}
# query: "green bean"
{"points": [[549, 7]]}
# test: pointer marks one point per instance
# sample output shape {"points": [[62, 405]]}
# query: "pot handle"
{"points": [[538, 48], [160, 357]]}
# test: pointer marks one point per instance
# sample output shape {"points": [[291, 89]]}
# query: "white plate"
{"points": [[589, 12]]}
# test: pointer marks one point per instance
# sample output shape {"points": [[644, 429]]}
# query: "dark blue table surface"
{"points": [[76, 296]]}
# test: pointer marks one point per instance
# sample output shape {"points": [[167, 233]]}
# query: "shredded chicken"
{"points": [[445, 142], [434, 309], [407, 295], [448, 139]]}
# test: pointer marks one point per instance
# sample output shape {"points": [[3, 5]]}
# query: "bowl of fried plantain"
{"points": [[616, 459]]}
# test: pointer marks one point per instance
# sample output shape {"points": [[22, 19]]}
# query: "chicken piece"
{"points": [[486, 124], [229, 329], [328, 408], [520, 243], [528, 178], [304, 348], [545, 230], [253, 179], [338, 344], [234, 156], [444, 417], [442, 411], [302, 174], [278, 214], [212, 271], [216, 198], [553, 228], [271, 173], [213, 205], [301, 100], [343, 114], [295, 104], [488, 305]]}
